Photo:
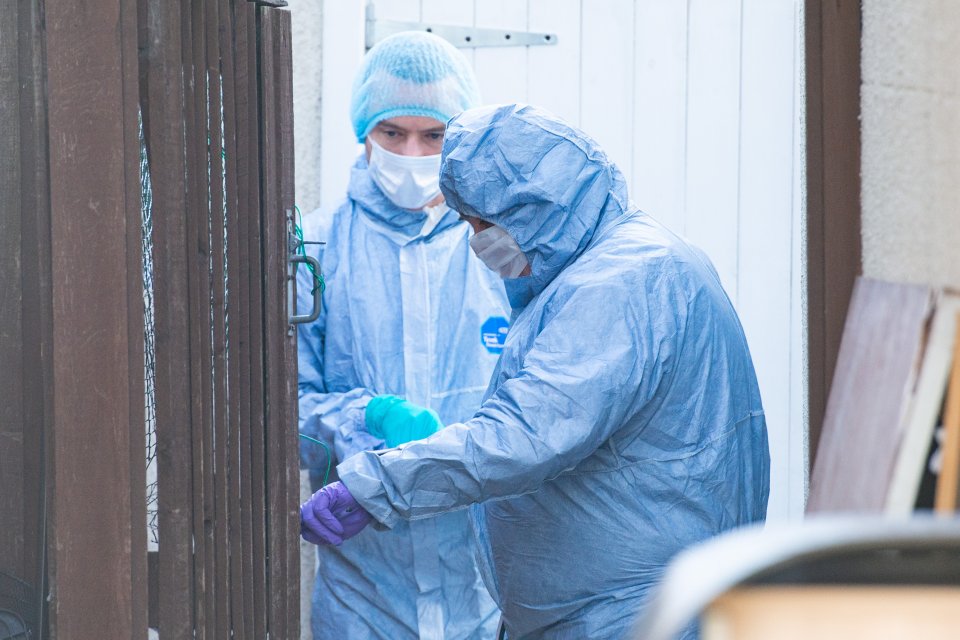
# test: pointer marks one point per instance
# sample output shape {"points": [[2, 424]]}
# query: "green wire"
{"points": [[326, 476], [318, 281]]}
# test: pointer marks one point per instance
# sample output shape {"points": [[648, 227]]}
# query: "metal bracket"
{"points": [[463, 37]]}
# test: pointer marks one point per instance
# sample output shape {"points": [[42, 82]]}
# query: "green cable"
{"points": [[318, 281], [326, 476]]}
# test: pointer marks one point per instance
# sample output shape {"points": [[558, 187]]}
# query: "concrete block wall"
{"points": [[307, 27], [910, 103]]}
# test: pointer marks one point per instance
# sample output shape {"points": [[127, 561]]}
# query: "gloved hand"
{"points": [[331, 515], [397, 421]]}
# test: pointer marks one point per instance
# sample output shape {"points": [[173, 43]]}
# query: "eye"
{"points": [[435, 136], [390, 133]]}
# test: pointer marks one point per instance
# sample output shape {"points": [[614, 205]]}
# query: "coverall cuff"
{"points": [[367, 489]]}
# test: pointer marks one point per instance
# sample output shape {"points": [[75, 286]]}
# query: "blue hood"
{"points": [[549, 185]]}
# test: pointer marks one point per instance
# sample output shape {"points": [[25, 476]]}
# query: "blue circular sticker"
{"points": [[493, 333]]}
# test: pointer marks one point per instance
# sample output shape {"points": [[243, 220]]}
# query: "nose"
{"points": [[415, 146]]}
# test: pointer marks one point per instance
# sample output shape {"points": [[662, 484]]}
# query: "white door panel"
{"points": [[713, 142], [697, 101], [766, 238], [553, 72], [607, 77], [502, 71], [457, 12], [660, 116]]}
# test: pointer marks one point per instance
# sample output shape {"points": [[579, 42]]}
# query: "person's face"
{"points": [[477, 224], [408, 136]]}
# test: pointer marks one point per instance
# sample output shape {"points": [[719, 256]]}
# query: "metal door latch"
{"points": [[294, 258]]}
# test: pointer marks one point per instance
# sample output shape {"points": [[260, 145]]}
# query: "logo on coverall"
{"points": [[493, 334]]}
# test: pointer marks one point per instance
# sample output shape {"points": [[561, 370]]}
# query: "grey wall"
{"points": [[910, 105], [307, 18]]}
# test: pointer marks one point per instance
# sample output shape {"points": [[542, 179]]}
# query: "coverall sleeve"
{"points": [[587, 371], [336, 418]]}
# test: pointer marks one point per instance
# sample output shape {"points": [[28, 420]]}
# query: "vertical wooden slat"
{"points": [[198, 257], [136, 356], [269, 176], [163, 99], [90, 196], [241, 600], [257, 416], [216, 230], [288, 382], [245, 160], [12, 426], [37, 306], [279, 343], [832, 39]]}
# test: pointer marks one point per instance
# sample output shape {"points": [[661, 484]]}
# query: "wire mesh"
{"points": [[17, 611], [150, 397]]}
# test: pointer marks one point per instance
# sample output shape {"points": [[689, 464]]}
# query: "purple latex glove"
{"points": [[331, 515]]}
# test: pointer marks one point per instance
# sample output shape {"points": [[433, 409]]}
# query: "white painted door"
{"points": [[698, 102]]}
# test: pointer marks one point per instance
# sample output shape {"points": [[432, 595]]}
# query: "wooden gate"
{"points": [[145, 209]]}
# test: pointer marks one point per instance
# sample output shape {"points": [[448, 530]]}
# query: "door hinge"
{"points": [[463, 37]]}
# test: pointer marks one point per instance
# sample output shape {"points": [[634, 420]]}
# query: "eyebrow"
{"points": [[389, 125]]}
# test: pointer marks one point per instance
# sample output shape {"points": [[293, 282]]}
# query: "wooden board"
{"points": [[280, 433], [12, 428], [946, 496], [37, 327], [862, 435], [924, 405], [93, 197], [162, 98]]}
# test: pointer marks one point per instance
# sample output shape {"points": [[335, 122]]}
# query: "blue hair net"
{"points": [[411, 74]]}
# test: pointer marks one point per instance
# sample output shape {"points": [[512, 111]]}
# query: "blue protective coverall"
{"points": [[416, 316], [623, 421]]}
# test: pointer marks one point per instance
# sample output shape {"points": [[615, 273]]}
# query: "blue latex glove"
{"points": [[331, 515], [396, 421]]}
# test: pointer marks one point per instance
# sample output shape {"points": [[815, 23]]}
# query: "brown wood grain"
{"points": [[258, 491], [163, 101], [72, 318], [832, 46], [91, 187], [248, 323], [37, 301], [882, 344], [945, 499], [280, 345], [13, 492]]}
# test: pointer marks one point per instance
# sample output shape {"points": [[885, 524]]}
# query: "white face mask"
{"points": [[499, 252], [408, 181]]}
